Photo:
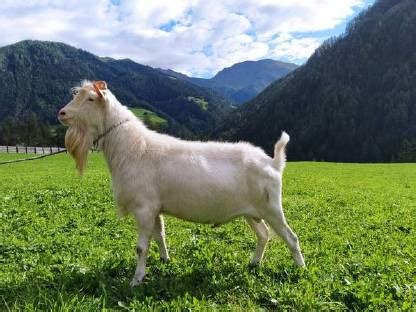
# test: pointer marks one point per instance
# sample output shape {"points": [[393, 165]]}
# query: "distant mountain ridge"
{"points": [[354, 100], [242, 81], [36, 76]]}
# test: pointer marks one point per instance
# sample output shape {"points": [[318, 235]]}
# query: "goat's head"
{"points": [[84, 116]]}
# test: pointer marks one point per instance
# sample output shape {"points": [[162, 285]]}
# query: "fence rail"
{"points": [[29, 149]]}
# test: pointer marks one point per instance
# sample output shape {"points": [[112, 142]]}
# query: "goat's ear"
{"points": [[99, 86]]}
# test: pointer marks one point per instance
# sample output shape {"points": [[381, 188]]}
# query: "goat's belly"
{"points": [[206, 192], [204, 210]]}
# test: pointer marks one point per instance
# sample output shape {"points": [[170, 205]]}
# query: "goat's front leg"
{"points": [[159, 236], [145, 224]]}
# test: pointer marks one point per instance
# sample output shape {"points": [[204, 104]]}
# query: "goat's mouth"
{"points": [[65, 120]]}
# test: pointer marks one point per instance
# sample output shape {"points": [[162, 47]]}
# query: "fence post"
{"points": [[7, 149], [26, 149], [17, 150], [50, 149]]}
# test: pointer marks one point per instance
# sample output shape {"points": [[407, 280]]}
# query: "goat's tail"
{"points": [[279, 160]]}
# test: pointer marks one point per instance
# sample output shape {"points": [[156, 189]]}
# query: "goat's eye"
{"points": [[74, 92], [90, 99]]}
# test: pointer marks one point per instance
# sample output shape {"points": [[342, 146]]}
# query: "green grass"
{"points": [[151, 119], [198, 101], [63, 247]]}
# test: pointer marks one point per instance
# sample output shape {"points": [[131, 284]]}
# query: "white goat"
{"points": [[155, 174]]}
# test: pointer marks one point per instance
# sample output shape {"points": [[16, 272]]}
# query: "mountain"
{"points": [[354, 100], [36, 76], [242, 81]]}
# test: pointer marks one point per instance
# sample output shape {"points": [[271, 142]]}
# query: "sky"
{"points": [[195, 37]]}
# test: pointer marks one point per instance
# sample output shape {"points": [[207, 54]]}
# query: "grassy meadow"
{"points": [[64, 248]]}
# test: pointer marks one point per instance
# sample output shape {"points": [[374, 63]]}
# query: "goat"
{"points": [[155, 174]]}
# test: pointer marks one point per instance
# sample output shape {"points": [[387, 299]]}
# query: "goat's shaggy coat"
{"points": [[155, 174]]}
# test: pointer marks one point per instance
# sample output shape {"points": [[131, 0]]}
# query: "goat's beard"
{"points": [[78, 142]]}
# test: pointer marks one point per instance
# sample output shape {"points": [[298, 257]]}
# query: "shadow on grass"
{"points": [[110, 284]]}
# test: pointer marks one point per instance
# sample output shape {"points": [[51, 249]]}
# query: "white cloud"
{"points": [[293, 49], [196, 37]]}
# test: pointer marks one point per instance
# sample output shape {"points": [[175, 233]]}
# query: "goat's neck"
{"points": [[118, 143]]}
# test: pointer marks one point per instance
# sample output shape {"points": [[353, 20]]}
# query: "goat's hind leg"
{"points": [[262, 233], [276, 219], [159, 236]]}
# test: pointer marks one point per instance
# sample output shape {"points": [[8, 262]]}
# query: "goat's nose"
{"points": [[62, 112]]}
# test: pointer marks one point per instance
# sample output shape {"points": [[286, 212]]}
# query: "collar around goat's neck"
{"points": [[95, 142]]}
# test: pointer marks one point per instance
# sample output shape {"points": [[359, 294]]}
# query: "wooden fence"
{"points": [[29, 149]]}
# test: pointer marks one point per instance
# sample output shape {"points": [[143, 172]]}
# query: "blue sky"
{"points": [[196, 37]]}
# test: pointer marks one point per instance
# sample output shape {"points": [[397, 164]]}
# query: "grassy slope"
{"points": [[198, 101], [150, 118], [63, 246]]}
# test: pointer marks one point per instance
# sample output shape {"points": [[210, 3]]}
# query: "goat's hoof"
{"points": [[253, 265], [302, 266], [136, 282], [164, 260], [299, 260]]}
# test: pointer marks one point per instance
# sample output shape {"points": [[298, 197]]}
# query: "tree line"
{"points": [[30, 131]]}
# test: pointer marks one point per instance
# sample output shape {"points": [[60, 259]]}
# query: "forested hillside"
{"points": [[36, 77], [242, 81], [354, 100]]}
